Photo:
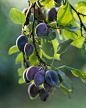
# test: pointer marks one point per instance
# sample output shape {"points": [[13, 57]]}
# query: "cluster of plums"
{"points": [[48, 79]]}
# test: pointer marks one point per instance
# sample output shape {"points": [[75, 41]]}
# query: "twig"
{"points": [[81, 23], [32, 33]]}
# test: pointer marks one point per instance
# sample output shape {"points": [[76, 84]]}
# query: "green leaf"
{"points": [[33, 59], [19, 58], [70, 28], [21, 81], [77, 73], [17, 16], [66, 79], [64, 90], [13, 49], [80, 7], [32, 1], [65, 15], [64, 46], [52, 35], [47, 47], [75, 36], [53, 24], [83, 49], [20, 71]]}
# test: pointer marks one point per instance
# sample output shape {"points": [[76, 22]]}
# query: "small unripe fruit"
{"points": [[41, 29], [21, 41], [39, 78], [33, 90], [51, 77], [47, 87], [43, 94], [28, 49], [52, 14], [31, 71], [24, 76]]}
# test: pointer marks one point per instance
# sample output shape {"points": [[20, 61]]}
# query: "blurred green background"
{"points": [[13, 95]]}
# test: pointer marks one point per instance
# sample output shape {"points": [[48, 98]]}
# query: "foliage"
{"points": [[47, 46]]}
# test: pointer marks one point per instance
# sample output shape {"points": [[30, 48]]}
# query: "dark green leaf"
{"points": [[13, 49], [83, 49], [64, 90], [64, 46], [77, 73], [70, 28], [52, 35], [17, 16], [47, 46], [66, 80]]}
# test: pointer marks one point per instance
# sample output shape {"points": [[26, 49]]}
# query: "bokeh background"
{"points": [[13, 95]]}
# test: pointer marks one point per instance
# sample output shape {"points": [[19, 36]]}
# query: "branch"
{"points": [[81, 23], [32, 33]]}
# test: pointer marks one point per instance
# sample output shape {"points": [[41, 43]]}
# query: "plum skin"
{"points": [[43, 94], [31, 71], [33, 90], [39, 78], [24, 77], [28, 49], [21, 41], [41, 29], [51, 77], [52, 14]]}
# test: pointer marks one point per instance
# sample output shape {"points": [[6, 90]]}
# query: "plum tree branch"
{"points": [[32, 33], [81, 23]]}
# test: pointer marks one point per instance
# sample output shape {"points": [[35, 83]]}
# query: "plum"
{"points": [[52, 14], [47, 87], [33, 90], [41, 29], [31, 71], [28, 49], [39, 78], [24, 76], [51, 77], [43, 94], [21, 41]]}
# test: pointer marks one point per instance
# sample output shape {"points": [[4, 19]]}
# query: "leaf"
{"points": [[17, 16], [75, 36], [80, 7], [33, 59], [21, 81], [32, 1], [52, 35], [66, 79], [70, 28], [47, 47], [64, 46], [64, 90], [19, 58], [65, 15], [83, 49], [13, 49], [77, 73], [20, 71]]}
